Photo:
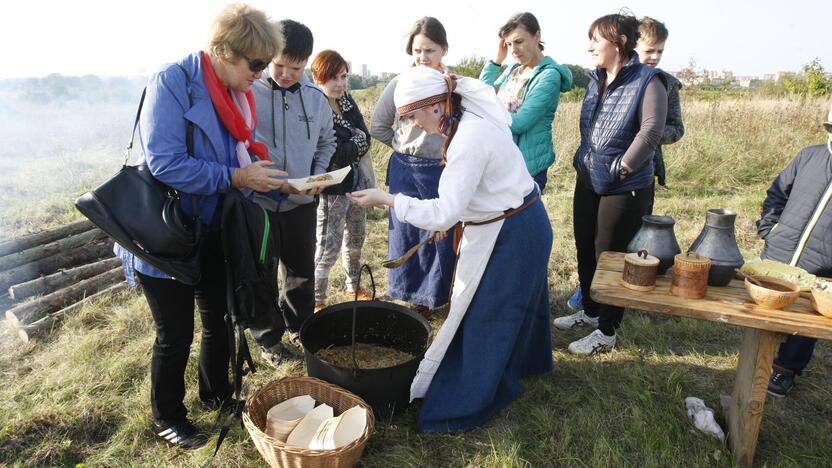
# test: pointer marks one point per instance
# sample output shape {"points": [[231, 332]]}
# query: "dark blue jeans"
{"points": [[795, 353]]}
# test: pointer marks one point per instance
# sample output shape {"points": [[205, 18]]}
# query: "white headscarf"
{"points": [[422, 86]]}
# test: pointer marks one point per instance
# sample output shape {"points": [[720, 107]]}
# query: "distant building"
{"points": [[365, 72], [746, 81]]}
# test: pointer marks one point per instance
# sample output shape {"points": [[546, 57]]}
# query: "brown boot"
{"points": [[362, 295]]}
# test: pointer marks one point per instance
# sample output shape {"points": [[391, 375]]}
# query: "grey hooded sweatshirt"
{"points": [[296, 124]]}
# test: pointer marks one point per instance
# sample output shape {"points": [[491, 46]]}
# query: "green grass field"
{"points": [[81, 396]]}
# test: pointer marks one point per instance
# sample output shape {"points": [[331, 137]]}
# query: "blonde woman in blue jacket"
{"points": [[530, 90]]}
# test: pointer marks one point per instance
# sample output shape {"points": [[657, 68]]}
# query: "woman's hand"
{"points": [[371, 197], [439, 235], [259, 176], [502, 52]]}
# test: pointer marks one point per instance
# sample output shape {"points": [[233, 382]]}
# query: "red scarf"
{"points": [[230, 116]]}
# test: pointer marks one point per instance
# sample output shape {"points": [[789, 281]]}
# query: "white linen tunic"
{"points": [[485, 176]]}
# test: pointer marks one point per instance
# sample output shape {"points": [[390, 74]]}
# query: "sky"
{"points": [[115, 37]]}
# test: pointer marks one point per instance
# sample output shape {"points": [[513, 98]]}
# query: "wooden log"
{"points": [[51, 264], [48, 323], [745, 411], [44, 237], [29, 312], [41, 251], [61, 279]]}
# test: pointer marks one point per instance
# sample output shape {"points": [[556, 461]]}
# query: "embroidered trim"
{"points": [[408, 108]]}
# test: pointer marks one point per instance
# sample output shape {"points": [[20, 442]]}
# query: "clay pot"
{"points": [[657, 237], [718, 242]]}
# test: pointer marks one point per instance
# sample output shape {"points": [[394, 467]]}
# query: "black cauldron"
{"points": [[381, 323]]}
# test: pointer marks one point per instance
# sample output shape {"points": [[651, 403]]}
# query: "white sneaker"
{"points": [[594, 343], [578, 319]]}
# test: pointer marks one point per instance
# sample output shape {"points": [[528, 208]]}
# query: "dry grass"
{"points": [[81, 396]]}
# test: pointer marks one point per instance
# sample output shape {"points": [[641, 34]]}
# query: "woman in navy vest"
{"points": [[622, 120]]}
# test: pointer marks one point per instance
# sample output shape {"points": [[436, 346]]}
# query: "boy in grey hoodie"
{"points": [[294, 120]]}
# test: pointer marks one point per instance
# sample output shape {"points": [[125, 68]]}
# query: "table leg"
{"points": [[745, 411]]}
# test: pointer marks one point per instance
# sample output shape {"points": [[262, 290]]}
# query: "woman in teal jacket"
{"points": [[530, 89]]}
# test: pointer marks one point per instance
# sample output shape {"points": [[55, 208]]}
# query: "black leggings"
{"points": [[605, 223], [172, 306]]}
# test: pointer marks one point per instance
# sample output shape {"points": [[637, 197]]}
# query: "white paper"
{"points": [[320, 180]]}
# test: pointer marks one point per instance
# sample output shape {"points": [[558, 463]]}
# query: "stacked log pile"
{"points": [[53, 274]]}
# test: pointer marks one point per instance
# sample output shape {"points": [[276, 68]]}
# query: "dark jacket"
{"points": [[674, 129], [609, 125], [794, 197], [353, 141]]}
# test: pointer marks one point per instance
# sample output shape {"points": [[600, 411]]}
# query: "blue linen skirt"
{"points": [[425, 279], [505, 334]]}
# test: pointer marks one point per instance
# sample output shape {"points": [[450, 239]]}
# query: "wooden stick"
{"points": [[51, 264], [61, 279], [44, 237], [41, 251], [48, 323], [29, 312]]}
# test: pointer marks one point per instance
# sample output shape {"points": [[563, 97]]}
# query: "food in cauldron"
{"points": [[367, 356]]}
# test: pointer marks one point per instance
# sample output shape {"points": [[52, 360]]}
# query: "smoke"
{"points": [[59, 136]]}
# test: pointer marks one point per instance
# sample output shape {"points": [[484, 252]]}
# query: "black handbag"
{"points": [[145, 216]]}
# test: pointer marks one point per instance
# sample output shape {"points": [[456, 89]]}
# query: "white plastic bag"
{"points": [[703, 418]]}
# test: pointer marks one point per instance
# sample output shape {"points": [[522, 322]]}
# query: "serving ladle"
{"points": [[399, 261]]}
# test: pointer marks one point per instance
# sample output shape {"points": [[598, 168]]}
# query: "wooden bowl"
{"points": [[774, 294], [822, 302]]}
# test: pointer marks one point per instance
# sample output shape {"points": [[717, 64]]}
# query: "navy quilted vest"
{"points": [[608, 130]]}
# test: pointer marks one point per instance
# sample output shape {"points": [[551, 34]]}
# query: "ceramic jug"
{"points": [[656, 236], [718, 242]]}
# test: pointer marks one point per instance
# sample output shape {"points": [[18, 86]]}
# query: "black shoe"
{"points": [[294, 346], [276, 355], [781, 382], [180, 433]]}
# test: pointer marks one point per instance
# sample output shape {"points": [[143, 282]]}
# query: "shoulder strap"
{"points": [[135, 126]]}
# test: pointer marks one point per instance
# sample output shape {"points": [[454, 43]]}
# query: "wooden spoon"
{"points": [[399, 261], [751, 279]]}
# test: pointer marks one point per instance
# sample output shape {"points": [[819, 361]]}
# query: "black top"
{"points": [[353, 140]]}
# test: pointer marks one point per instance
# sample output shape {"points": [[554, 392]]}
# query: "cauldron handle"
{"points": [[355, 311]]}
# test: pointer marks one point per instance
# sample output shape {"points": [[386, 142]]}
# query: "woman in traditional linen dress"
{"points": [[414, 170], [497, 329]]}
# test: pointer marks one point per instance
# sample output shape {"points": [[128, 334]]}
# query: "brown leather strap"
{"points": [[459, 228], [506, 214]]}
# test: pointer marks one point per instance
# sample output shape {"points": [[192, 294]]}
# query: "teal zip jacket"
{"points": [[531, 124]]}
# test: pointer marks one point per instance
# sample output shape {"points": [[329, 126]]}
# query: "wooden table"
{"points": [[764, 330]]}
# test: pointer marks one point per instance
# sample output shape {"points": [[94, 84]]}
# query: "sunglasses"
{"points": [[256, 65]]}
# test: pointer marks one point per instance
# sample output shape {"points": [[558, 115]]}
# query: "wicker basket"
{"points": [[277, 453]]}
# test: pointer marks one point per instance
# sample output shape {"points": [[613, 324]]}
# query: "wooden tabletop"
{"points": [[730, 304]]}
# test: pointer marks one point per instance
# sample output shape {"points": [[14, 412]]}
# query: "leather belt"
{"points": [[459, 228]]}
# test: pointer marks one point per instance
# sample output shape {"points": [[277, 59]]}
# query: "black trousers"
{"points": [[296, 231], [605, 223], [172, 306]]}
